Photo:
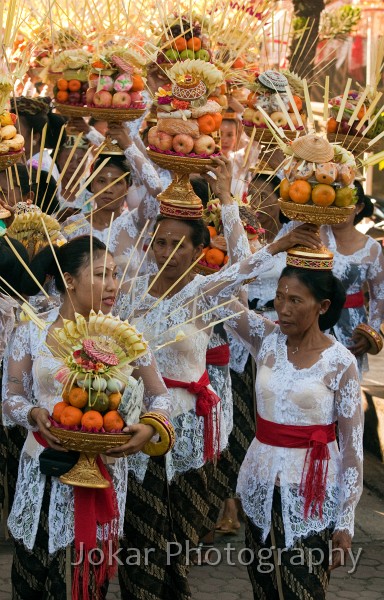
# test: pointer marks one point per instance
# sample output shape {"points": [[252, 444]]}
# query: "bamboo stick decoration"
{"points": [[326, 99], [296, 112], [311, 122], [358, 106], [26, 267], [344, 101]]}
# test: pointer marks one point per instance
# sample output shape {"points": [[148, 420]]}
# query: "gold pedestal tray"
{"points": [[317, 215], [263, 135], [180, 194], [7, 160], [86, 473], [114, 115]]}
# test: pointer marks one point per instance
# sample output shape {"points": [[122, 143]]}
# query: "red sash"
{"points": [[206, 399], [313, 437], [219, 356], [354, 300], [93, 507]]}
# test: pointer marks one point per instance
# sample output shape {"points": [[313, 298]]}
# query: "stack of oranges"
{"points": [[70, 92], [92, 411], [214, 258]]}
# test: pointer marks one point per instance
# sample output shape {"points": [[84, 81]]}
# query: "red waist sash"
{"points": [[92, 507], [206, 399], [219, 356], [315, 470], [354, 300]]}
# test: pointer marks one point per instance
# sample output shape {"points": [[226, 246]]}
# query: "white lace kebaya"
{"points": [[185, 360], [126, 227], [326, 392], [28, 381]]}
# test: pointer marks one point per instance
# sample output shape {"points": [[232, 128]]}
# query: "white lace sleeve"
{"points": [[7, 321], [223, 284], [236, 238], [17, 380], [156, 395], [350, 418], [143, 170], [375, 280], [95, 137]]}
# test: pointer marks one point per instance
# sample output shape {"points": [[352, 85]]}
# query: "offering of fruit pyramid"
{"points": [[319, 173], [184, 43], [350, 115], [96, 354], [116, 79], [268, 91], [70, 72], [11, 142], [186, 117]]}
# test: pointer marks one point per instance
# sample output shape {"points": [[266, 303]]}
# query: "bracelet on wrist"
{"points": [[165, 431], [374, 338], [30, 419]]}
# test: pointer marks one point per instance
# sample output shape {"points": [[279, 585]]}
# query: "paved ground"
{"points": [[230, 582]]}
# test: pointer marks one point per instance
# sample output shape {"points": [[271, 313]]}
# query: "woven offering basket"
{"points": [[67, 110], [317, 215], [7, 160], [115, 115], [86, 473]]}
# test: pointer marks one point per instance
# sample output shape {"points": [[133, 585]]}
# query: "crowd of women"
{"points": [[281, 372]]}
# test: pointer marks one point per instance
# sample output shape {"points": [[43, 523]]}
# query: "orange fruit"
{"points": [[206, 124], [98, 64], [226, 258], [300, 191], [62, 96], [299, 103], [74, 85], [332, 125], [112, 420], [212, 231], [65, 394], [137, 84], [114, 400], [71, 416], [323, 194], [57, 410], [251, 99], [92, 420], [194, 44], [180, 44], [93, 76], [284, 190], [361, 112], [205, 250], [214, 256], [78, 397], [218, 118], [238, 64], [62, 84]]}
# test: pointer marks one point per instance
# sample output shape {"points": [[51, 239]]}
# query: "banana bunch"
{"points": [[10, 140], [204, 71]]}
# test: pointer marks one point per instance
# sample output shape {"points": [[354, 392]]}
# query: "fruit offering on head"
{"points": [[267, 92], [346, 125], [186, 119], [183, 43], [318, 172]]}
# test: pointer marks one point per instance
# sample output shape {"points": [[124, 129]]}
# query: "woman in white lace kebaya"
{"points": [[41, 521], [298, 487], [110, 204]]}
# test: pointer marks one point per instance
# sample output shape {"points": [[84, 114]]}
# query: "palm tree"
{"points": [[306, 25]]}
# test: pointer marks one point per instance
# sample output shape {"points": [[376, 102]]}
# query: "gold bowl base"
{"points": [[317, 215], [86, 472]]}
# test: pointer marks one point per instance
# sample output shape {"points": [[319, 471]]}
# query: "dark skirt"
{"points": [[38, 575], [302, 578], [228, 467], [163, 523]]}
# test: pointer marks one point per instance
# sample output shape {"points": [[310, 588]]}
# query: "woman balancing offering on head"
{"points": [[42, 517], [111, 189], [298, 487]]}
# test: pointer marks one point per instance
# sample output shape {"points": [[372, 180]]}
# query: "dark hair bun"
{"points": [[11, 268]]}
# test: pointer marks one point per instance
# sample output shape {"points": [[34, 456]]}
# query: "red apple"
{"points": [[159, 139], [102, 99], [121, 100], [90, 94], [205, 144], [136, 96], [183, 143]]}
